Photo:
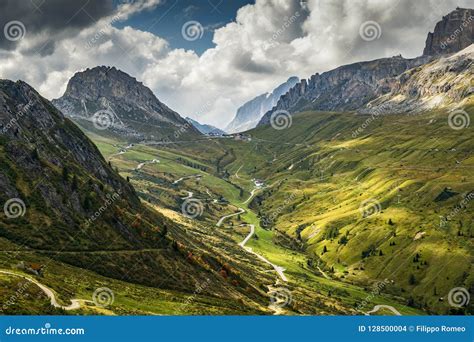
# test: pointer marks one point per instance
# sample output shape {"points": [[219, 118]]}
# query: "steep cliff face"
{"points": [[112, 101], [250, 113], [453, 33], [447, 81], [346, 88]]}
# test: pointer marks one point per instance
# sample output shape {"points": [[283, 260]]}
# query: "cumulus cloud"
{"points": [[53, 17], [270, 41]]}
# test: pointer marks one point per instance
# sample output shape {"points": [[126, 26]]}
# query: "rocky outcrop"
{"points": [[112, 101], [453, 33], [250, 113], [394, 84], [445, 82], [346, 88]]}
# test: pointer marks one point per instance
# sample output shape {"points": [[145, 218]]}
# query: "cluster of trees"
{"points": [[191, 164]]}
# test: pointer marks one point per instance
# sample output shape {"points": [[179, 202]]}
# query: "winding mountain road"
{"points": [[278, 269], [252, 193], [388, 307], [221, 220], [75, 303], [185, 177]]}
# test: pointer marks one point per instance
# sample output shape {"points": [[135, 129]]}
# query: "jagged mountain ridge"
{"points": [[352, 87], [248, 115], [346, 88], [126, 106]]}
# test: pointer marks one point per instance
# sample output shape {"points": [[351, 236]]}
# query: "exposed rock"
{"points": [[394, 84], [453, 33], [348, 87], [250, 113], [125, 105], [67, 178], [445, 82], [70, 204]]}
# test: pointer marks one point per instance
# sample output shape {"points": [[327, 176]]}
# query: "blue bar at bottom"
{"points": [[237, 328]]}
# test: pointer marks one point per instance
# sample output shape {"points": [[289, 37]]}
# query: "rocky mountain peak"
{"points": [[453, 33], [249, 114], [108, 82], [129, 108]]}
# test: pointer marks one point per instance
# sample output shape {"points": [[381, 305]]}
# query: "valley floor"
{"points": [[253, 204]]}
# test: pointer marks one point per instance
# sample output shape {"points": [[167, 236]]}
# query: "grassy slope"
{"points": [[404, 163], [316, 181], [307, 286]]}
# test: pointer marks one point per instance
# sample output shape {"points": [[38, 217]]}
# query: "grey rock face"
{"points": [[250, 113], [352, 87], [453, 33], [446, 81], [343, 89], [132, 109]]}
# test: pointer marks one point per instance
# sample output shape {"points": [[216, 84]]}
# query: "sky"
{"points": [[206, 58]]}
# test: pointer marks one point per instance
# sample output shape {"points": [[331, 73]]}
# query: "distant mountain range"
{"points": [[250, 113], [109, 100], [392, 80], [205, 129]]}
